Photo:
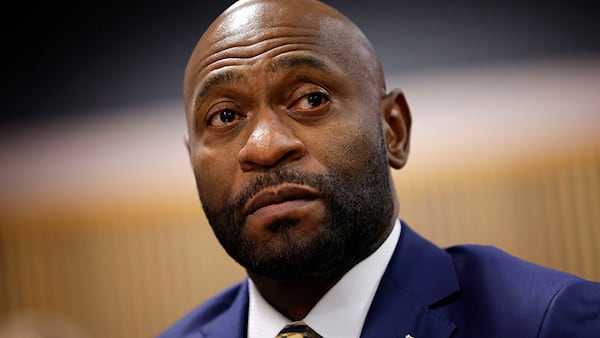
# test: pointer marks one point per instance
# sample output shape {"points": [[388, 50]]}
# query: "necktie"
{"points": [[298, 330]]}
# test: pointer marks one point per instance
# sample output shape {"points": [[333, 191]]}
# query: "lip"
{"points": [[277, 195]]}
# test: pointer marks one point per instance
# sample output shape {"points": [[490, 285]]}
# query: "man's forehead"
{"points": [[282, 48], [249, 29], [260, 30]]}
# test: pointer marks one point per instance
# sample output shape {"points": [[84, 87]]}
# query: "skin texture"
{"points": [[291, 135]]}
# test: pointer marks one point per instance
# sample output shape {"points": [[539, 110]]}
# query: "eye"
{"points": [[223, 118], [315, 99], [311, 101]]}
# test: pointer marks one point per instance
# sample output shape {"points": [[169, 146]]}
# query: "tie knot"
{"points": [[298, 330]]}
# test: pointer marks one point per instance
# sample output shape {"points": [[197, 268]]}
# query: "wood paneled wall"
{"points": [[122, 268], [546, 210]]}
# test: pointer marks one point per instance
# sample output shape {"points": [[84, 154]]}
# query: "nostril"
{"points": [[252, 156], [270, 145]]}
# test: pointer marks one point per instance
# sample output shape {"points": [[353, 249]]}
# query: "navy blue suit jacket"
{"points": [[463, 291]]}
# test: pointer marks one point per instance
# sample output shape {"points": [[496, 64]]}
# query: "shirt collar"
{"points": [[336, 314]]}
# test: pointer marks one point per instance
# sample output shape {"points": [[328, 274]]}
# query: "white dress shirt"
{"points": [[343, 309]]}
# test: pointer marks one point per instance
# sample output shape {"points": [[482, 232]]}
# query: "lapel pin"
{"points": [[408, 336]]}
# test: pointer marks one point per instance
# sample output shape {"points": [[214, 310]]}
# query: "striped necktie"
{"points": [[298, 330]]}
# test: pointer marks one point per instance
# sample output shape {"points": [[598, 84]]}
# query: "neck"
{"points": [[294, 299]]}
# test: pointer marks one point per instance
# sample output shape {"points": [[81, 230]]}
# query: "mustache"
{"points": [[320, 182]]}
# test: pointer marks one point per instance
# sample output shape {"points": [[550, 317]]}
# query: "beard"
{"points": [[358, 212]]}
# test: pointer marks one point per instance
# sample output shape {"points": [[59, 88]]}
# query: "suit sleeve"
{"points": [[573, 312]]}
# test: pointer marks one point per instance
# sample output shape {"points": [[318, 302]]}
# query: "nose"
{"points": [[270, 143]]}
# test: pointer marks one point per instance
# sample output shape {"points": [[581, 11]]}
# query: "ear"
{"points": [[186, 141], [396, 127]]}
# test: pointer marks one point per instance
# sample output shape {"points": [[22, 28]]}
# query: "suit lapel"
{"points": [[418, 276], [231, 323]]}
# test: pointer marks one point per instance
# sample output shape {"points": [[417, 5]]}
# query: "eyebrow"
{"points": [[215, 80], [278, 65]]}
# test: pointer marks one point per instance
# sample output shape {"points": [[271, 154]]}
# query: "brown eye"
{"points": [[311, 102], [315, 99], [226, 116], [223, 118]]}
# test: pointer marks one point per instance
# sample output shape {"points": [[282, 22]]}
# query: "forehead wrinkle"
{"points": [[244, 47], [212, 81], [293, 61]]}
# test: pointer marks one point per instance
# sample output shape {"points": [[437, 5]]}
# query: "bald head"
{"points": [[254, 30], [286, 100]]}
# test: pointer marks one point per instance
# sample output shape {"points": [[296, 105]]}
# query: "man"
{"points": [[291, 135]]}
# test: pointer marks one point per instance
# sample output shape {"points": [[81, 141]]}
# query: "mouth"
{"points": [[279, 199]]}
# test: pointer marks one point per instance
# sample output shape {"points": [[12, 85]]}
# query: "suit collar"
{"points": [[418, 276], [422, 269], [231, 322]]}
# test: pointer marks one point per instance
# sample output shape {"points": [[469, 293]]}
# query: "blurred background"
{"points": [[101, 231]]}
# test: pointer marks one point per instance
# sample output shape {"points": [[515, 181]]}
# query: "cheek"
{"points": [[354, 135], [346, 148], [211, 166]]}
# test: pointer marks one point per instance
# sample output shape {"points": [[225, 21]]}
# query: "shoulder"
{"points": [[491, 265], [574, 311], [493, 272], [497, 284], [224, 307]]}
